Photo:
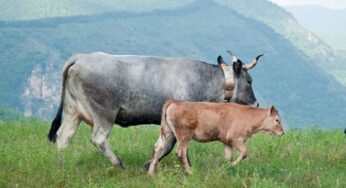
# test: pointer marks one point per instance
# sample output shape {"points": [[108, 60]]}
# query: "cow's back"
{"points": [[135, 87]]}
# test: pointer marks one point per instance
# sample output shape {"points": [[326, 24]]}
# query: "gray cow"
{"points": [[102, 89]]}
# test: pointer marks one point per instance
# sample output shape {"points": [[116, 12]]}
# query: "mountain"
{"points": [[318, 18], [33, 53], [283, 22], [16, 10], [329, 24]]}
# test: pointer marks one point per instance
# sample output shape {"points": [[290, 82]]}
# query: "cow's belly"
{"points": [[127, 118]]}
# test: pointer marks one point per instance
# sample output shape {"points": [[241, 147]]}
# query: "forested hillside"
{"points": [[37, 9], [33, 53]]}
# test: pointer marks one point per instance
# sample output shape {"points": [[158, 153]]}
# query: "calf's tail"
{"points": [[164, 122], [56, 123]]}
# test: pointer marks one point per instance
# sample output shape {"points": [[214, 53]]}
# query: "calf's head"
{"points": [[237, 81], [272, 122]]}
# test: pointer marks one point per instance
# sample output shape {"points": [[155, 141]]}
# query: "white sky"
{"points": [[334, 4]]}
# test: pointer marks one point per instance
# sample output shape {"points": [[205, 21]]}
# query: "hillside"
{"points": [[33, 53], [319, 18], [329, 24], [264, 11], [37, 9], [283, 22]]}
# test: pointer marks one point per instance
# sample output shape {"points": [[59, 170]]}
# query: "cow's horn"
{"points": [[234, 58], [252, 64]]}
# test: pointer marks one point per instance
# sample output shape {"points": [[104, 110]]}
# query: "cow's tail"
{"points": [[56, 123]]}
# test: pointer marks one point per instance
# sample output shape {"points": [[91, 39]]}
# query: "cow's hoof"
{"points": [[120, 165], [150, 175], [147, 165]]}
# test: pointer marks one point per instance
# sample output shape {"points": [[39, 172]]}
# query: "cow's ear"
{"points": [[220, 61], [237, 67], [222, 64]]}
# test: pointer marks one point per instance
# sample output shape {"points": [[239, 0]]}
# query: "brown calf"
{"points": [[230, 123]]}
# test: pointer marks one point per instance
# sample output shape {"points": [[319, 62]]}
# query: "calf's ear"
{"points": [[272, 110]]}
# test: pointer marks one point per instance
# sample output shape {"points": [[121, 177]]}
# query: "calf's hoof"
{"points": [[188, 172], [234, 164]]}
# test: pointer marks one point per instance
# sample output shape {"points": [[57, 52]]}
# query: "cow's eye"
{"points": [[249, 82], [277, 120]]}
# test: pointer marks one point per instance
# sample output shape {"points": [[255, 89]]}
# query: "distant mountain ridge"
{"points": [[314, 17], [34, 53], [329, 24], [25, 10], [261, 10], [284, 23]]}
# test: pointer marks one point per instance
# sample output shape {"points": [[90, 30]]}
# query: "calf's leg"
{"points": [[165, 139], [170, 145], [170, 141], [243, 152], [183, 156], [228, 152]]}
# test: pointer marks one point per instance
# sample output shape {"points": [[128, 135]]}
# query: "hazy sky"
{"points": [[334, 4]]}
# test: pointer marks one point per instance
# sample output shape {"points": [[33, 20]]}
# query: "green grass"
{"points": [[301, 158]]}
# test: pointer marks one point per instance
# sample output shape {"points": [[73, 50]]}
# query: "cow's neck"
{"points": [[214, 89]]}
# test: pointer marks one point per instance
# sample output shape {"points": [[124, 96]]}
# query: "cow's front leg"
{"points": [[243, 152], [99, 139], [228, 152]]}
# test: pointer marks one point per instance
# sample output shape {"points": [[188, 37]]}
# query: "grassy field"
{"points": [[301, 158]]}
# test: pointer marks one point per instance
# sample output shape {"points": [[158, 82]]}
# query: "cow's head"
{"points": [[237, 81]]}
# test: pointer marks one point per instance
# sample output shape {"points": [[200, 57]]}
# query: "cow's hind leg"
{"points": [[99, 138], [66, 131], [69, 126]]}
